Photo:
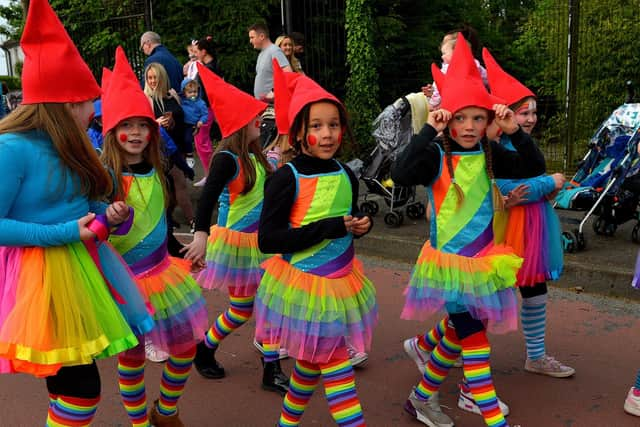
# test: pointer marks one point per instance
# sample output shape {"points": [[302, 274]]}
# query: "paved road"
{"points": [[596, 335]]}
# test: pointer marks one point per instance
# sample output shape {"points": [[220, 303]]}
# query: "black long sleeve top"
{"points": [[223, 168], [420, 162], [274, 233]]}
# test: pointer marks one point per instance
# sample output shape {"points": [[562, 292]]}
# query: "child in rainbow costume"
{"points": [[314, 296], [231, 255], [66, 298], [132, 152], [462, 268]]}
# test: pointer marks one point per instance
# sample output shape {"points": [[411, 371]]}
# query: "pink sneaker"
{"points": [[632, 403], [547, 365]]}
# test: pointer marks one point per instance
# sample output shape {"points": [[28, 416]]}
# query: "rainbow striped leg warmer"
{"points": [[174, 378], [240, 310], [303, 382], [71, 411], [132, 389], [440, 361], [475, 359], [340, 388], [430, 340]]}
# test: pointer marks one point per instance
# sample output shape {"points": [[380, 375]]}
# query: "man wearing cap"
{"points": [[151, 46]]}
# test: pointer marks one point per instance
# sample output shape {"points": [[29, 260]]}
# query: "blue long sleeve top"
{"points": [[538, 186], [40, 201]]}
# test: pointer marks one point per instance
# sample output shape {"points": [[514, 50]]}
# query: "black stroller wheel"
{"points": [[581, 242], [634, 233], [610, 229], [368, 208], [375, 206], [394, 219], [415, 211], [598, 226]]}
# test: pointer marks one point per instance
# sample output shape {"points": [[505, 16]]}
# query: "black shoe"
{"points": [[273, 379], [206, 364]]}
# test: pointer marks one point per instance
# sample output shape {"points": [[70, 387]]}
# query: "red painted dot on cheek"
{"points": [[454, 133], [499, 132], [312, 140], [148, 137], [123, 137], [256, 123]]}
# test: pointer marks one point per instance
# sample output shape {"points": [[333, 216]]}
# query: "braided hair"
{"points": [[446, 142]]}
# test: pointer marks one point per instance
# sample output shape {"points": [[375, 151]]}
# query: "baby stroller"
{"points": [[600, 184], [392, 129]]}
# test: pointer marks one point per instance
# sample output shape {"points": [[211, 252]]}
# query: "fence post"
{"points": [[148, 15], [570, 95]]}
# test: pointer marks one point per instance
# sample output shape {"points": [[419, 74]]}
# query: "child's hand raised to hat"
{"points": [[438, 119], [505, 119]]}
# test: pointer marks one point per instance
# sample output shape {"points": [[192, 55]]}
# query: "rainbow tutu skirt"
{"points": [[312, 316], [233, 262], [56, 309], [179, 310], [482, 285]]}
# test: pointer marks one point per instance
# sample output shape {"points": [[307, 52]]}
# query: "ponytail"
{"points": [[446, 142], [496, 195]]}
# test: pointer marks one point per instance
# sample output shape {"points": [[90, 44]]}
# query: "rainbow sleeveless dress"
{"points": [[179, 314], [461, 268], [233, 258], [312, 300], [533, 231]]}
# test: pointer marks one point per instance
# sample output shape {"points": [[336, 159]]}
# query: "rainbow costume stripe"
{"points": [[179, 309], [461, 268], [313, 299], [233, 258]]}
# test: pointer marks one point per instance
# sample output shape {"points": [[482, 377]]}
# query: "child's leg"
{"points": [[430, 340], [174, 378], [440, 361], [132, 386], [477, 371], [240, 310], [74, 393], [340, 388], [303, 382], [203, 143], [632, 402]]}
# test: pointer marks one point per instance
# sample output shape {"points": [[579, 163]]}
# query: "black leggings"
{"points": [[533, 291], [81, 381]]}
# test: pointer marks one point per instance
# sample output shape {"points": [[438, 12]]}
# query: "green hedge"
{"points": [[13, 83]]}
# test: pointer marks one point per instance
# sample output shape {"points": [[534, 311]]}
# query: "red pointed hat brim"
{"points": [[305, 92], [123, 97], [233, 108], [282, 89], [503, 84], [53, 69]]}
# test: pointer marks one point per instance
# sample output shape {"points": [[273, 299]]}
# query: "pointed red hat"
{"points": [[462, 85], [306, 91], [123, 98], [53, 69], [503, 84], [282, 88], [233, 108]]}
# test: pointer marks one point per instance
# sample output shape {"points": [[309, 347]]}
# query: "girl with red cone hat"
{"points": [[463, 268], [66, 297], [230, 253], [540, 246], [132, 153], [314, 297]]}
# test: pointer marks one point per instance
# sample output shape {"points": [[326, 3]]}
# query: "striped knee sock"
{"points": [[132, 390], [271, 350], [340, 388], [637, 384], [440, 361], [475, 358], [534, 316], [302, 383], [174, 378], [71, 411], [236, 315], [430, 340]]}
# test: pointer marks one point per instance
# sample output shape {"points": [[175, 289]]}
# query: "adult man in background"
{"points": [[151, 45]]}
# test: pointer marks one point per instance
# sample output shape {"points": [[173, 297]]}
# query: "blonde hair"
{"points": [[69, 140], [113, 157], [287, 152], [293, 61], [162, 89]]}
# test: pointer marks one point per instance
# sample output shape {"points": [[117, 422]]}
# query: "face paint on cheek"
{"points": [[123, 137], [91, 117], [454, 133], [148, 137], [340, 135], [499, 132], [312, 140], [256, 124]]}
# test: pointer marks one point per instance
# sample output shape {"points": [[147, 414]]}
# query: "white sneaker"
{"points": [[282, 352], [429, 412], [466, 402], [632, 403], [191, 162], [547, 365], [154, 354], [200, 183], [419, 356], [357, 358]]}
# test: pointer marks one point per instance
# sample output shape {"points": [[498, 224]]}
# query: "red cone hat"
{"points": [[282, 88], [306, 91], [53, 69], [503, 84], [123, 98], [232, 107], [462, 86]]}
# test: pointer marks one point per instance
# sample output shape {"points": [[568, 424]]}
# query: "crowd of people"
{"points": [[87, 250]]}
